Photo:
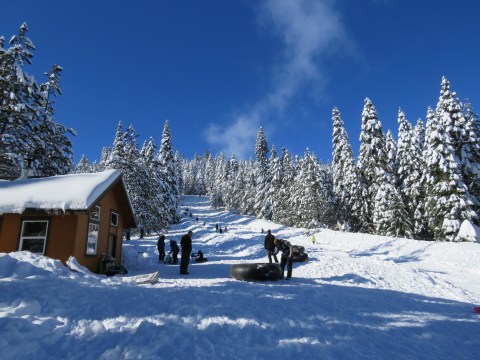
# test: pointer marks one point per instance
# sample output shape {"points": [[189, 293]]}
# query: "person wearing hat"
{"points": [[186, 243], [270, 247]]}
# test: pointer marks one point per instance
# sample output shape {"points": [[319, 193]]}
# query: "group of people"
{"points": [[218, 228], [273, 246], [186, 249]]}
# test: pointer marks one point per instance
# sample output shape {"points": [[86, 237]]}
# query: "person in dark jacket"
{"points": [[174, 249], [287, 255], [186, 244], [161, 247], [270, 247]]}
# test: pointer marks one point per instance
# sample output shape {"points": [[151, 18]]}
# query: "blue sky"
{"points": [[217, 70]]}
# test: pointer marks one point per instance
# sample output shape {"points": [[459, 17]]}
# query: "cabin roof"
{"points": [[66, 193]]}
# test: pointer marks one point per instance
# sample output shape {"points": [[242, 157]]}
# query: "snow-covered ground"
{"points": [[357, 297]]}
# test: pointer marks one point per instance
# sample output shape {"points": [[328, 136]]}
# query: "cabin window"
{"points": [[34, 236], [92, 240], [95, 214], [93, 230], [114, 218]]}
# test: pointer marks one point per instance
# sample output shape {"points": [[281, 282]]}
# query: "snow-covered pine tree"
{"points": [[218, 193], [409, 162], [170, 176], [283, 204], [143, 187], [116, 156], [209, 177], [27, 127], [372, 161], [231, 200], [261, 152], [470, 154], [328, 206], [189, 175], [17, 89], [391, 147], [239, 186], [390, 217], [276, 173], [306, 202], [463, 133], [248, 198], [199, 174], [447, 201], [54, 149], [346, 184], [83, 165]]}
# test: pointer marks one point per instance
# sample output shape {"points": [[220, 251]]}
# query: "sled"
{"points": [[150, 278], [300, 257], [476, 309], [256, 272]]}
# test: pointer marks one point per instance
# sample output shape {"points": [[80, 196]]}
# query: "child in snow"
{"points": [[174, 250]]}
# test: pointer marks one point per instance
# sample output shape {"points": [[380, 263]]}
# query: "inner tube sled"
{"points": [[298, 249], [300, 257], [256, 272]]}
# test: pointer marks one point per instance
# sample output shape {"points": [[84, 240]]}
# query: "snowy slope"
{"points": [[358, 297]]}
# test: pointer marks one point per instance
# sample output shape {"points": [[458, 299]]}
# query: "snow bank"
{"points": [[357, 297]]}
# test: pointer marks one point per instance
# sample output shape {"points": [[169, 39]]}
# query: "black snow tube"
{"points": [[256, 272], [300, 257], [198, 260], [298, 249]]}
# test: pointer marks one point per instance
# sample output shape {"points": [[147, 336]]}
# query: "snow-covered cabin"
{"points": [[80, 215]]}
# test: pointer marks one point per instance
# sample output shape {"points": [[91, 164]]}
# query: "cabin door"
{"points": [[112, 244]]}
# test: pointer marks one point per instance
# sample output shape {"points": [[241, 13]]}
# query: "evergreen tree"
{"points": [[248, 198], [276, 172], [283, 198], [409, 162], [169, 175], [218, 194], [261, 152], [470, 154], [448, 201], [27, 126], [83, 166], [391, 147], [372, 160], [390, 217], [346, 184]]}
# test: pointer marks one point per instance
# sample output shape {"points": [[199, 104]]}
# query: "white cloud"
{"points": [[308, 30]]}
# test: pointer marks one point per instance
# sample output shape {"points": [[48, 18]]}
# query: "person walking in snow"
{"points": [[161, 247], [270, 247], [174, 250], [186, 244], [287, 256]]}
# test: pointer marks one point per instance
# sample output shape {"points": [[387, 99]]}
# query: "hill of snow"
{"points": [[357, 297]]}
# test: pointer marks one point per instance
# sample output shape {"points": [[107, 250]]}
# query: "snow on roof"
{"points": [[65, 192]]}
